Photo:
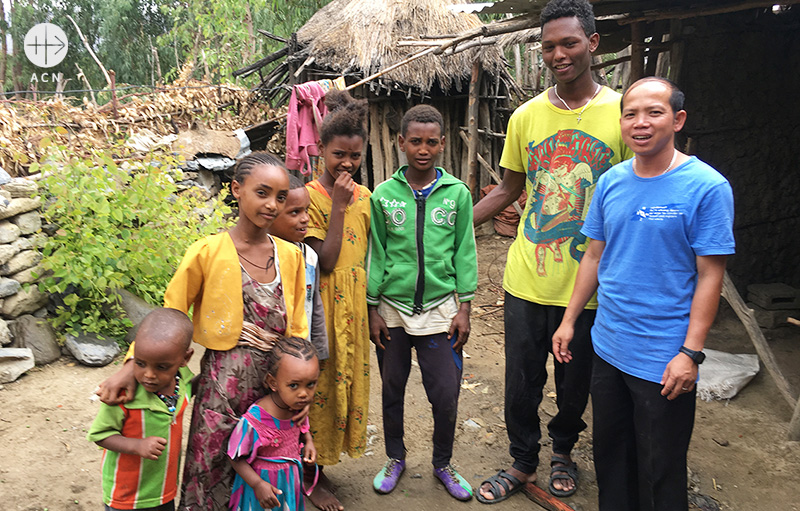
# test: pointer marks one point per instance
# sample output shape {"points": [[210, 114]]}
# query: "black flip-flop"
{"points": [[496, 482], [567, 470]]}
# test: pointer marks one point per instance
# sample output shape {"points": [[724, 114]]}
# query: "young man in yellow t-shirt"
{"points": [[557, 146]]}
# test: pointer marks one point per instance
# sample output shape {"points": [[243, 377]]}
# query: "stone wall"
{"points": [[21, 239], [740, 74]]}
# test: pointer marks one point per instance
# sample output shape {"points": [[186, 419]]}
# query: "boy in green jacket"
{"points": [[423, 272]]}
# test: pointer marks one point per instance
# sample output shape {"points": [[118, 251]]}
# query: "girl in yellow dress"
{"points": [[338, 231]]}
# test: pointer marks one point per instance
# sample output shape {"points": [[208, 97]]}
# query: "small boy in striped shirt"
{"points": [[142, 438]]}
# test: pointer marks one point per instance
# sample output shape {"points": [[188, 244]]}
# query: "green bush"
{"points": [[119, 226]]}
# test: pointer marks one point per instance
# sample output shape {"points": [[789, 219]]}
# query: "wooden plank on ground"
{"points": [[748, 318], [794, 424], [544, 499]]}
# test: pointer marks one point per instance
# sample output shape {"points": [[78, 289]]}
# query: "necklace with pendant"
{"points": [[270, 262], [580, 114], [172, 400]]}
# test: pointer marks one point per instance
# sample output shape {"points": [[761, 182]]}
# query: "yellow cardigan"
{"points": [[209, 277]]}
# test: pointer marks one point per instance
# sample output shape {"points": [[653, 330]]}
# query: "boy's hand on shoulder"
{"points": [[151, 447], [267, 495], [377, 326], [460, 326]]}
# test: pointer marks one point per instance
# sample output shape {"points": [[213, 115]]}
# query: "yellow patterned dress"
{"points": [[339, 412]]}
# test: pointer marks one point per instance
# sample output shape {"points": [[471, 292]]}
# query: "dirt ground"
{"points": [[739, 456]]}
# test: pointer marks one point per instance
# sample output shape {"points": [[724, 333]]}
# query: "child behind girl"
{"points": [[246, 289], [264, 447], [338, 231], [291, 225]]}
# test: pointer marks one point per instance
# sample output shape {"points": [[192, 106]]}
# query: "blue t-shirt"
{"points": [[653, 229], [429, 188]]}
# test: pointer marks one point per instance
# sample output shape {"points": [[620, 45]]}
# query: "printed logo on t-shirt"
{"points": [[562, 170], [657, 213]]}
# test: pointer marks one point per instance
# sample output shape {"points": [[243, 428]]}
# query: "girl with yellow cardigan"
{"points": [[246, 289]]}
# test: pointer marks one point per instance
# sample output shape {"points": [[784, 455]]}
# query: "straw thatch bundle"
{"points": [[361, 36]]}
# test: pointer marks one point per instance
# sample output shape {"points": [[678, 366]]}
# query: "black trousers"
{"points": [[640, 442], [441, 368], [529, 329]]}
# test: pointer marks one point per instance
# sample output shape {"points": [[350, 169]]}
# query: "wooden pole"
{"points": [[656, 42], [388, 154], [694, 12], [484, 144], [472, 126], [255, 66], [676, 53], [748, 318], [392, 67], [518, 66], [113, 76], [82, 76], [491, 171], [637, 52], [375, 145], [89, 49], [794, 424]]}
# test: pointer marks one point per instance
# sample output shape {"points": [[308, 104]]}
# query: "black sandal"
{"points": [[567, 470], [497, 481]]}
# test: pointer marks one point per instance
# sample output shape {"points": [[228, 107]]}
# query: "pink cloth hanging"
{"points": [[304, 118]]}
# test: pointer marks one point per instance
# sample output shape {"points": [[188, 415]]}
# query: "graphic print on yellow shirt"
{"points": [[564, 169], [562, 160]]}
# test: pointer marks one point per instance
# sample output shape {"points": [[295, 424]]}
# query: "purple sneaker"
{"points": [[387, 478], [455, 485]]}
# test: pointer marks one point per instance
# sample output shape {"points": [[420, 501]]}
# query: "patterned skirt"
{"points": [[229, 382], [285, 474]]}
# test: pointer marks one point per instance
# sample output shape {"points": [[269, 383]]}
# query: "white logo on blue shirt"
{"points": [[658, 213]]}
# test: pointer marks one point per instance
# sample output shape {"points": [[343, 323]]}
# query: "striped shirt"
{"points": [[132, 482]]}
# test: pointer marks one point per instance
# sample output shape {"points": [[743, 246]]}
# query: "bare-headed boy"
{"points": [[142, 438]]}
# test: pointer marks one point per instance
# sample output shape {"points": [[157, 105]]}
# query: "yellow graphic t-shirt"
{"points": [[562, 159]]}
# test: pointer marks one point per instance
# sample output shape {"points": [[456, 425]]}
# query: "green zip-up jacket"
{"points": [[421, 250]]}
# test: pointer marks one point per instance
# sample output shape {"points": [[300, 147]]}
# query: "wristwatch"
{"points": [[696, 356]]}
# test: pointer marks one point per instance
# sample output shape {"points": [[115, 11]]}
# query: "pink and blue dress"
{"points": [[272, 447]]}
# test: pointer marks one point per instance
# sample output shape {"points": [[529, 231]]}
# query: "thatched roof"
{"points": [[361, 36]]}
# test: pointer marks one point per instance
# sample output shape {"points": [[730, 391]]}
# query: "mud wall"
{"points": [[741, 75]]}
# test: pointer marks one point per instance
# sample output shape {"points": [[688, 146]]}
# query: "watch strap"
{"points": [[697, 356]]}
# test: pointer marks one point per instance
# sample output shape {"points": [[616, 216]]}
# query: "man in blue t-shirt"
{"points": [[661, 226]]}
